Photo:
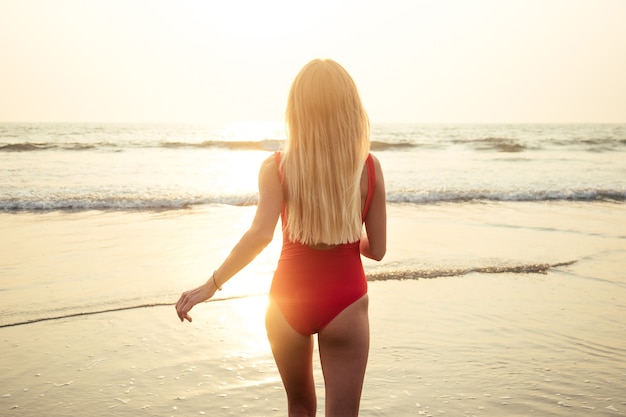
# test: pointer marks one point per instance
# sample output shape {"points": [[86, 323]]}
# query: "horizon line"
{"points": [[229, 122]]}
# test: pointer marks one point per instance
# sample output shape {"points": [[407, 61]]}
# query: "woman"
{"points": [[325, 186]]}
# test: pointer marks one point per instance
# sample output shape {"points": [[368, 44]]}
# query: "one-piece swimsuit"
{"points": [[312, 286]]}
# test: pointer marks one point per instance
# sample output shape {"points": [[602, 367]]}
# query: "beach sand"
{"points": [[505, 344]]}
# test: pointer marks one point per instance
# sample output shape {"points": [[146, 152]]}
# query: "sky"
{"points": [[414, 61]]}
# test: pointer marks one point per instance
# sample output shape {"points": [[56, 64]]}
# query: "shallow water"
{"points": [[502, 345], [484, 345], [469, 344], [92, 231], [68, 263]]}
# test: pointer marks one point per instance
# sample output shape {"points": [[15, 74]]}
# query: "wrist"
{"points": [[213, 280]]}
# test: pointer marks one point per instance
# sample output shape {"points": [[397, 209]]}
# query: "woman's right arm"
{"points": [[251, 243], [374, 241]]}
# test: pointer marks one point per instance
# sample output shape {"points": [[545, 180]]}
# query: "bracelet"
{"points": [[215, 282]]}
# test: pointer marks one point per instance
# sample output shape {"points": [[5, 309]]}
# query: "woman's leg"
{"points": [[293, 355], [344, 347]]}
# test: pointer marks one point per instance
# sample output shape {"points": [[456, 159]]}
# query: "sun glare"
{"points": [[253, 131], [250, 316], [259, 21]]}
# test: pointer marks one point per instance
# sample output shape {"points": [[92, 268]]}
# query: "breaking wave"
{"points": [[45, 203]]}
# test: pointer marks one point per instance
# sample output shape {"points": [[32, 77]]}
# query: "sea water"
{"points": [[96, 218], [99, 207], [149, 167]]}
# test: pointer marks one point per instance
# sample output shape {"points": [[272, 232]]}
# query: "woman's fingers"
{"points": [[183, 306], [188, 299]]}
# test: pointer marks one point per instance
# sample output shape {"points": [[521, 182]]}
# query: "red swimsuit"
{"points": [[312, 286]]}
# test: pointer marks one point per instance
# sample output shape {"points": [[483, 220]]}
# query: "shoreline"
{"points": [[475, 344], [70, 263]]}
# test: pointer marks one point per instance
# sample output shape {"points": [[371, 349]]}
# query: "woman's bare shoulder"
{"points": [[269, 169], [269, 163]]}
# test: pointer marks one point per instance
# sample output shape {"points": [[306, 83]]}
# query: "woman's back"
{"points": [[367, 183]]}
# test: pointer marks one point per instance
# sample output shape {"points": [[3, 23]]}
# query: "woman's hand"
{"points": [[192, 297], [251, 243]]}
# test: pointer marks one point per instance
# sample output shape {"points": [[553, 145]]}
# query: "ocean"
{"points": [[502, 291], [128, 176], [73, 167]]}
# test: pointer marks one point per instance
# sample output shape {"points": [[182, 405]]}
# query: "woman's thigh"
{"points": [[344, 349], [293, 355]]}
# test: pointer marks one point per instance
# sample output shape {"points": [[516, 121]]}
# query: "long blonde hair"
{"points": [[326, 148]]}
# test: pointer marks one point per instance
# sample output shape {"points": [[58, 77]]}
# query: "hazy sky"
{"points": [[232, 60]]}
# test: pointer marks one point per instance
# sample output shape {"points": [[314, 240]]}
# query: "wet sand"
{"points": [[507, 344], [503, 344]]}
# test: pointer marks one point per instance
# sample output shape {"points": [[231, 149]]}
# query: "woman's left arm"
{"points": [[258, 236]]}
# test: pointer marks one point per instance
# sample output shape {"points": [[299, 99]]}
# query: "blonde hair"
{"points": [[326, 148]]}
